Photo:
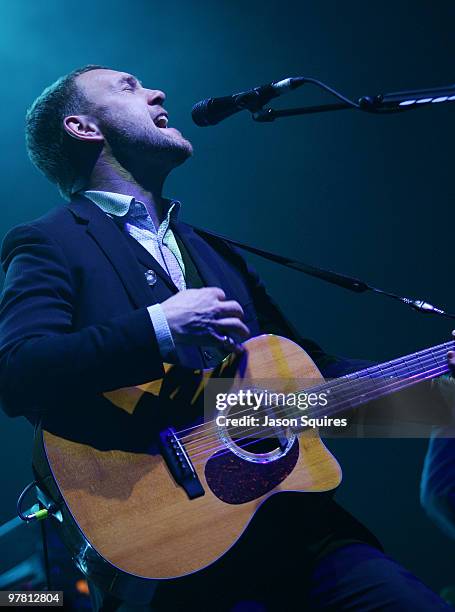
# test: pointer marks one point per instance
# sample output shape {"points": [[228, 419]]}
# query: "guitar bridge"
{"points": [[179, 464]]}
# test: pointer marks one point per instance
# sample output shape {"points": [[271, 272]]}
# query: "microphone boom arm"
{"points": [[380, 104]]}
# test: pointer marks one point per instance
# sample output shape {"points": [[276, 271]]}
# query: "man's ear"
{"points": [[82, 128]]}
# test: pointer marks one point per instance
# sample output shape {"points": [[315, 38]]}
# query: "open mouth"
{"points": [[161, 120]]}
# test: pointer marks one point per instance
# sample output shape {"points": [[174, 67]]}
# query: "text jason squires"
{"points": [[260, 399]]}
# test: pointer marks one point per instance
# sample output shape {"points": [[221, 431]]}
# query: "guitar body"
{"points": [[129, 508]]}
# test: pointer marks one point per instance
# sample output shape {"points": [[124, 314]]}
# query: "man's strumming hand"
{"points": [[205, 317]]}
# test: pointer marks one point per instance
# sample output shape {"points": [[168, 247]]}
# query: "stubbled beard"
{"points": [[141, 151]]}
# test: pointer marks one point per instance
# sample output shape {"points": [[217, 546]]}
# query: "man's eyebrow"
{"points": [[131, 80]]}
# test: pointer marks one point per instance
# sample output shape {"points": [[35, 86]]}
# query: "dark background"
{"points": [[368, 196]]}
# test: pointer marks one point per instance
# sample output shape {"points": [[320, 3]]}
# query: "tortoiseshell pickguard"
{"points": [[236, 481]]}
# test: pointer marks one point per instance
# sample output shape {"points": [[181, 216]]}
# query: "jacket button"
{"points": [[150, 277]]}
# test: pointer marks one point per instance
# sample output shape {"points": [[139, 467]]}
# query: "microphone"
{"points": [[213, 110]]}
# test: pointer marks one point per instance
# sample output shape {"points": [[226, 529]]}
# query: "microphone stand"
{"points": [[267, 115], [379, 104]]}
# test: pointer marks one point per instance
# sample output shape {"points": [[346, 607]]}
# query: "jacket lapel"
{"points": [[146, 259], [109, 238], [123, 252]]}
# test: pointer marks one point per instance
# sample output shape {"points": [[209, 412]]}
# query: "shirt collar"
{"points": [[126, 206]]}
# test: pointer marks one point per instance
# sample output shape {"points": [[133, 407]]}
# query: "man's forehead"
{"points": [[102, 78]]}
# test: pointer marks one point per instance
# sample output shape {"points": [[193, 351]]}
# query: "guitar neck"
{"points": [[377, 381]]}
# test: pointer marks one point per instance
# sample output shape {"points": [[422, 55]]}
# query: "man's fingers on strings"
{"points": [[228, 343], [232, 327]]}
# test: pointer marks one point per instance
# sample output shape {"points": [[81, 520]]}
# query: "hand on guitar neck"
{"points": [[451, 357], [445, 385]]}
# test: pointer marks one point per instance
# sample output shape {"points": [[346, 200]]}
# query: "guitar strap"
{"points": [[347, 282], [334, 278]]}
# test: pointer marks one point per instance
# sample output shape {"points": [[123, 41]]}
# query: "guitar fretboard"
{"points": [[378, 381]]}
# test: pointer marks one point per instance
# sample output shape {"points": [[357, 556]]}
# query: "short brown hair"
{"points": [[62, 159]]}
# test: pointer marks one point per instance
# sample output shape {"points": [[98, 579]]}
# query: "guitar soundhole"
{"points": [[246, 442], [244, 432], [235, 480], [255, 446]]}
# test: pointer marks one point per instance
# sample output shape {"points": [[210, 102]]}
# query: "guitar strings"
{"points": [[356, 384], [226, 449], [339, 408], [338, 405], [353, 380], [315, 414], [355, 377]]}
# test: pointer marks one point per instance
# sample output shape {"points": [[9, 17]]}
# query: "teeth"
{"points": [[161, 121]]}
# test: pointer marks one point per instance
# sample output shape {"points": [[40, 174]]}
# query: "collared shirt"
{"points": [[134, 219], [133, 216]]}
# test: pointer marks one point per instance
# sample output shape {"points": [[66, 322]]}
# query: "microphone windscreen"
{"points": [[199, 113]]}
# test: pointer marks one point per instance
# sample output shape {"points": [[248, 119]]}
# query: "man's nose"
{"points": [[155, 97]]}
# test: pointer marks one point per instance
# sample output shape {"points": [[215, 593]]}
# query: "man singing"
{"points": [[101, 291]]}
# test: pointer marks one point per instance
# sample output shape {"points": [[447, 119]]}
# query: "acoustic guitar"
{"points": [[175, 506]]}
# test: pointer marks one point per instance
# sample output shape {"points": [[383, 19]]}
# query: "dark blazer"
{"points": [[73, 317], [74, 324]]}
